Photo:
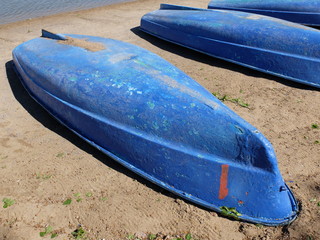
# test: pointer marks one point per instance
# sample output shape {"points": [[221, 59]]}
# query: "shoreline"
{"points": [[41, 15], [43, 164], [63, 14]]}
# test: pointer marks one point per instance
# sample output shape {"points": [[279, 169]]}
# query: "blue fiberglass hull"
{"points": [[158, 122], [300, 11], [266, 44]]}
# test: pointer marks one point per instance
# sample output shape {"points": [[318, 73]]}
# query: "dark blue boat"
{"points": [[270, 45], [158, 122], [300, 11]]}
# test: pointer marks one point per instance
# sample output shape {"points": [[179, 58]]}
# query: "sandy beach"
{"points": [[43, 164]]}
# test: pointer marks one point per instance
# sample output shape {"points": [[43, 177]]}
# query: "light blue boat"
{"points": [[269, 45], [299, 11], [155, 120]]}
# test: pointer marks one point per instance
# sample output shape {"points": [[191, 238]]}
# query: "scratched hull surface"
{"points": [[154, 119], [300, 11], [266, 44]]}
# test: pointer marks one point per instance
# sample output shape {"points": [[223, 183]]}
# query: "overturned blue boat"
{"points": [[155, 120], [262, 43], [300, 11]]}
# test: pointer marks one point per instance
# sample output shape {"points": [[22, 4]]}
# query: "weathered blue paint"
{"points": [[158, 122], [266, 44], [300, 11]]}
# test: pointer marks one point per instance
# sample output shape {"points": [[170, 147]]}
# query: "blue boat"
{"points": [[270, 45], [299, 11], [155, 120]]}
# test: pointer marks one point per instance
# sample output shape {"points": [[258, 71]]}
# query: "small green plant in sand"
{"points": [[152, 236], [67, 202], [314, 126], [159, 236], [230, 212], [259, 225], [315, 200], [188, 236], [130, 236], [88, 194], [59, 155], [43, 176], [237, 101], [7, 202], [79, 234], [48, 230], [103, 199], [309, 237], [78, 197]]}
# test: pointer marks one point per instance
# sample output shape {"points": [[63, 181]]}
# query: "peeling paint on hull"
{"points": [[158, 122]]}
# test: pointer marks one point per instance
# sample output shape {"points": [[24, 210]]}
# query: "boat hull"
{"points": [[298, 11], [265, 44], [155, 120]]}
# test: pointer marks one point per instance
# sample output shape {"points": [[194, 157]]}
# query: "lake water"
{"points": [[16, 10]]}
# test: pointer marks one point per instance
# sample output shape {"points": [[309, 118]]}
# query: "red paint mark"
{"points": [[240, 202], [223, 191]]}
